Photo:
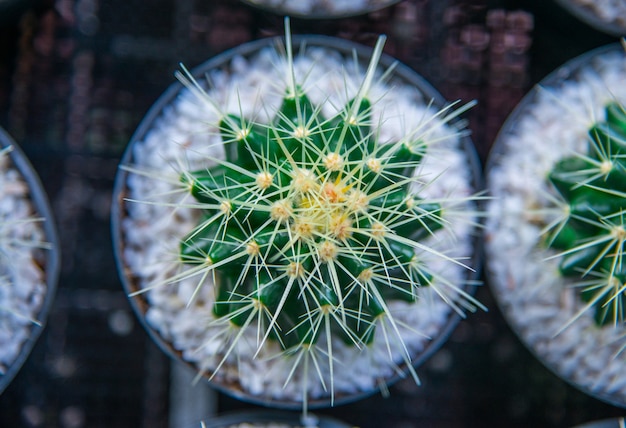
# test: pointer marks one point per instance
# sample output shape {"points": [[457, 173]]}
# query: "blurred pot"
{"points": [[46, 260], [545, 310]]}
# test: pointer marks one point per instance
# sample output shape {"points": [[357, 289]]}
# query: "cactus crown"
{"points": [[308, 218], [592, 232]]}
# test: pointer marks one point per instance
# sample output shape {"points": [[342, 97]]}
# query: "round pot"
{"points": [[604, 423], [262, 419], [542, 306], [606, 16], [38, 269], [167, 112], [321, 9]]}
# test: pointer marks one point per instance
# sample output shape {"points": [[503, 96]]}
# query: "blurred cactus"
{"points": [[592, 234]]}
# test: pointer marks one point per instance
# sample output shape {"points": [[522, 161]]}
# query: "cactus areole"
{"points": [[593, 235]]}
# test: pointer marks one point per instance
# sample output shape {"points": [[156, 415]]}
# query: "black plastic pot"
{"points": [[320, 12], [260, 418], [604, 423], [568, 73], [590, 17], [50, 258], [222, 62]]}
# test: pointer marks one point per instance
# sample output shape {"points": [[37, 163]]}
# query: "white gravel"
{"points": [[534, 298], [186, 131], [22, 282]]}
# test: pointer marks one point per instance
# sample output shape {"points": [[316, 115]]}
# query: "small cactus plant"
{"points": [[313, 227], [591, 236]]}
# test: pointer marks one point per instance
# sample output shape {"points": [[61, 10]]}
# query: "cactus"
{"points": [[591, 234], [312, 226], [321, 218]]}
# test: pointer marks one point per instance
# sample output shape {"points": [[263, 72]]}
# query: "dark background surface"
{"points": [[77, 76]]}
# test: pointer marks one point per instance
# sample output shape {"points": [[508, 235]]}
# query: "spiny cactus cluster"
{"points": [[309, 218], [592, 235]]}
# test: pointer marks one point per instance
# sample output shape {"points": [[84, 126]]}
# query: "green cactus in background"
{"points": [[311, 226], [592, 234]]}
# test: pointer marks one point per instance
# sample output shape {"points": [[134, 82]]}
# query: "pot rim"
{"points": [[604, 423], [41, 204], [345, 47], [567, 71]]}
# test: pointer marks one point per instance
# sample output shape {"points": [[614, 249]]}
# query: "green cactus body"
{"points": [[320, 212], [593, 235]]}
